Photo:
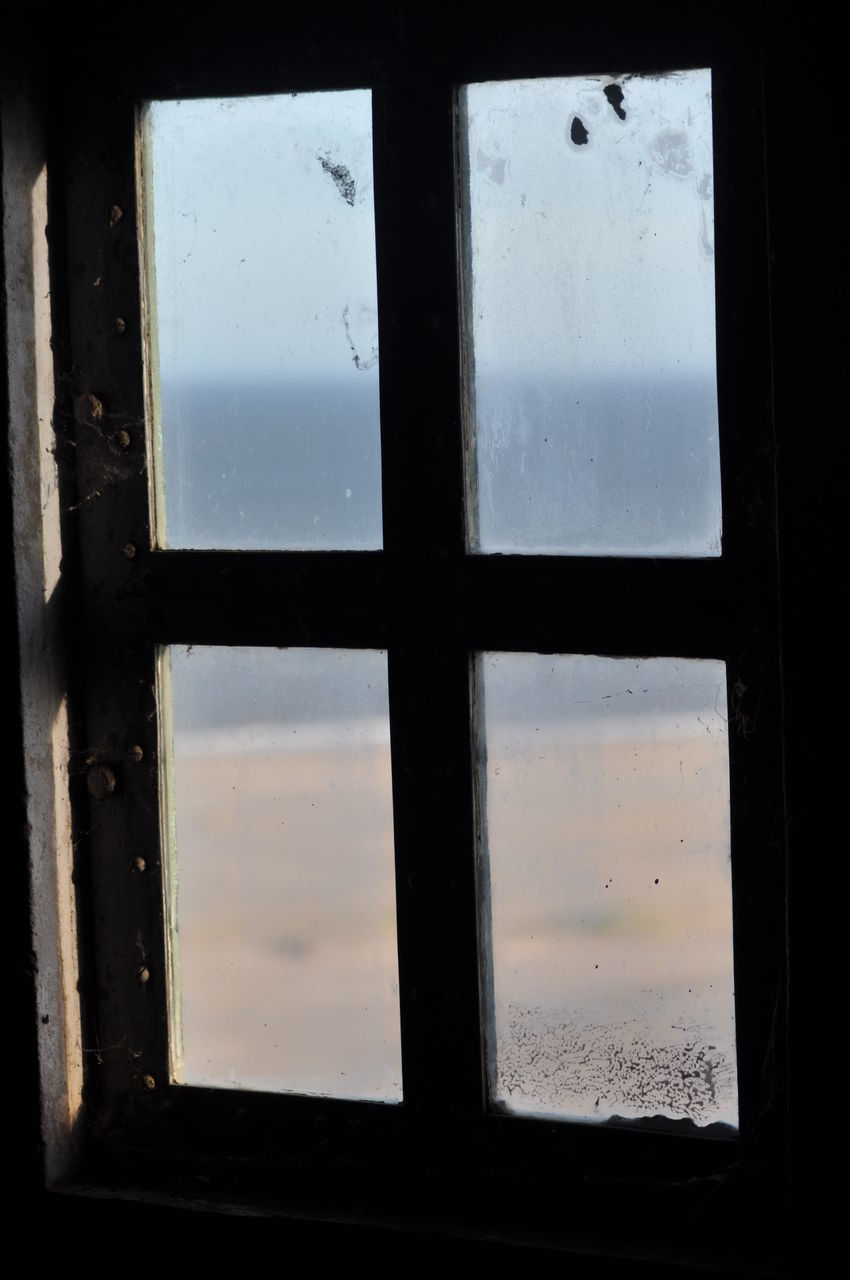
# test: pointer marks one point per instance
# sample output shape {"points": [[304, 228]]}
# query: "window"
{"points": [[431, 605], [586, 433]]}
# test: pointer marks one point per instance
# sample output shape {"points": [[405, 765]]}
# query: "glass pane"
{"points": [[607, 906], [590, 279], [263, 326], [284, 972]]}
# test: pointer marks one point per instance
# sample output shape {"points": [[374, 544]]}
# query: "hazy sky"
{"points": [[588, 256], [595, 256], [264, 230]]}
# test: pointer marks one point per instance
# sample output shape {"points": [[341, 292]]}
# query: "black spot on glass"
{"points": [[614, 94], [578, 133]]}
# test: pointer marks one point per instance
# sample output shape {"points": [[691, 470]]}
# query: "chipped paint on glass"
{"points": [[589, 294]]}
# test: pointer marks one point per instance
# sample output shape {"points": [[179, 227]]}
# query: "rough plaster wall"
{"points": [[39, 601]]}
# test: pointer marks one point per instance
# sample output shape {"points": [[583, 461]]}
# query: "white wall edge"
{"points": [[38, 580]]}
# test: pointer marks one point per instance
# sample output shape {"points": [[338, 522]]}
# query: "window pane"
{"points": [[263, 324], [590, 298], [284, 971], [606, 905]]}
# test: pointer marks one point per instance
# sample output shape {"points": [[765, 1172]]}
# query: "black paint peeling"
{"points": [[342, 179], [614, 94], [578, 133]]}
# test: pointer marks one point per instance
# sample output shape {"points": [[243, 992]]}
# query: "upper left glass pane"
{"points": [[262, 322]]}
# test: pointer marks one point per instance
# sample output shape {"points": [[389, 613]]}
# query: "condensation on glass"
{"points": [[281, 899], [261, 320], [605, 887], [589, 294]]}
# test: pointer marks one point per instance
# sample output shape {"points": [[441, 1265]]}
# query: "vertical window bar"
{"points": [[414, 158]]}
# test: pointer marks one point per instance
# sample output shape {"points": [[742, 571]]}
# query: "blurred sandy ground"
{"points": [[286, 903], [611, 909], [612, 929]]}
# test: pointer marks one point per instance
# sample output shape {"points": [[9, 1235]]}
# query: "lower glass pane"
{"points": [[605, 880], [282, 931]]}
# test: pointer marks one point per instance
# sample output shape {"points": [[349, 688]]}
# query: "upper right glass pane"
{"points": [[589, 268]]}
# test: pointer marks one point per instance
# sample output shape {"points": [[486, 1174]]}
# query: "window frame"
{"points": [[431, 605]]}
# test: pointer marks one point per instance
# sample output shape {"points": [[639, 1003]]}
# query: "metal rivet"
{"points": [[124, 438], [129, 550], [120, 325], [116, 213], [139, 864], [137, 753], [148, 1082], [144, 974], [100, 781]]}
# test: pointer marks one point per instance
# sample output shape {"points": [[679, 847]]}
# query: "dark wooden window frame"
{"points": [[442, 1155]]}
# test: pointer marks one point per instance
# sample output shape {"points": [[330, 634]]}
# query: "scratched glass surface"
{"points": [[607, 983], [262, 321], [589, 268], [283, 958]]}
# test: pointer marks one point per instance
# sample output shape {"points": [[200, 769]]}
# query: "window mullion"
{"points": [[429, 686]]}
